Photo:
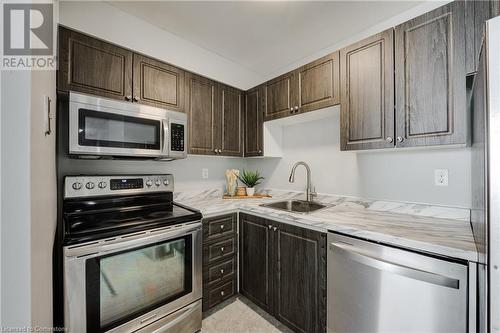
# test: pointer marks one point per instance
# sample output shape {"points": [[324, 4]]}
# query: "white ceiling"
{"points": [[265, 36]]}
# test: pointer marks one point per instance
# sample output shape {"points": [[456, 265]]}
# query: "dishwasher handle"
{"points": [[353, 254]]}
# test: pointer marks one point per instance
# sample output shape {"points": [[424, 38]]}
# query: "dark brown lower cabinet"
{"points": [[283, 270], [220, 261]]}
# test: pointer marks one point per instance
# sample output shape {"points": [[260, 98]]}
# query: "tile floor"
{"points": [[239, 315]]}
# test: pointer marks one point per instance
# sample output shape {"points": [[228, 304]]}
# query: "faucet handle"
{"points": [[313, 192]]}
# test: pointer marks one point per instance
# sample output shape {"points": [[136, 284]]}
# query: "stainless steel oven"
{"points": [[105, 127], [131, 257], [125, 283]]}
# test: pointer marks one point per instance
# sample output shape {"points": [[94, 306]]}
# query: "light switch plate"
{"points": [[441, 177]]}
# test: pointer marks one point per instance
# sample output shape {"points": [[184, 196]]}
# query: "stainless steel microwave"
{"points": [[105, 127]]}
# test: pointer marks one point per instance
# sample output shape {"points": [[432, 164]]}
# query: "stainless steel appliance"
{"points": [[376, 288], [106, 127], [131, 256], [485, 212]]}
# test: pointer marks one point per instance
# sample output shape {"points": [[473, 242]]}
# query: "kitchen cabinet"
{"points": [[92, 66], [430, 78], [158, 84], [476, 13], [311, 87], [318, 83], [203, 115], [231, 104], [283, 270], [367, 93], [254, 122], [279, 101], [214, 118], [219, 259]]}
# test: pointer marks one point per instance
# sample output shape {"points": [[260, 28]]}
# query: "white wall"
{"points": [[110, 23], [401, 175]]}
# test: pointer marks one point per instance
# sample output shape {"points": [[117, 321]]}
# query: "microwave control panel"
{"points": [[177, 137]]}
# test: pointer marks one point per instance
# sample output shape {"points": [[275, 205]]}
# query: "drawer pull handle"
{"points": [[222, 249], [222, 227], [222, 293], [221, 271]]}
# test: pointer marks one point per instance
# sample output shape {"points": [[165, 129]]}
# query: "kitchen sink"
{"points": [[296, 206]]}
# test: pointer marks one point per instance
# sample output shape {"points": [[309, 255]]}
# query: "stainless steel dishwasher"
{"points": [[377, 288]]}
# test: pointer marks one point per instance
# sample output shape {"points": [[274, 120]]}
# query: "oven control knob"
{"points": [[76, 186], [149, 182], [157, 183], [89, 185], [166, 182], [102, 184]]}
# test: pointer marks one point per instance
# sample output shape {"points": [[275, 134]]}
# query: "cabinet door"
{"points": [[92, 66], [253, 122], [231, 103], [367, 93], [278, 96], [203, 115], [255, 270], [430, 78], [318, 83], [158, 84], [299, 262]]}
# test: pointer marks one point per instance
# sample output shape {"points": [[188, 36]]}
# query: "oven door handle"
{"points": [[165, 143]]}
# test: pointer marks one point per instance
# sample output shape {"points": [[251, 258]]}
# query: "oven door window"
{"points": [[102, 129], [127, 284]]}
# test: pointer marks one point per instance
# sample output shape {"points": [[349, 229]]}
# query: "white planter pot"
{"points": [[250, 191]]}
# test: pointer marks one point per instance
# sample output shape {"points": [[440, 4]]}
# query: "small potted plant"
{"points": [[250, 179]]}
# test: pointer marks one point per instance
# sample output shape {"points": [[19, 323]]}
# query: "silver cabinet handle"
{"points": [[389, 139], [220, 151], [128, 98], [222, 293], [400, 139], [269, 226], [260, 151], [221, 271], [383, 265], [275, 228], [136, 99], [291, 109], [222, 227], [215, 150], [296, 108], [222, 249]]}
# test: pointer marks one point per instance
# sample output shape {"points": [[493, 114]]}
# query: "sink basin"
{"points": [[296, 206]]}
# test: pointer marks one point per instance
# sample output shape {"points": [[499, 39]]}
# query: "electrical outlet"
{"points": [[441, 177], [204, 173]]}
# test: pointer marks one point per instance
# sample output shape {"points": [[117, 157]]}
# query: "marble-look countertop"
{"points": [[437, 230]]}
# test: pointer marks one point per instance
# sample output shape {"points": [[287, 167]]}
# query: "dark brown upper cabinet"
{"points": [[203, 114], [310, 87], [430, 78], [92, 66], [476, 14], [278, 97], [283, 270], [318, 83], [231, 104], [253, 122], [367, 93], [214, 117], [158, 84]]}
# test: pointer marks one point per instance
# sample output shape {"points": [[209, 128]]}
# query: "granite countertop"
{"points": [[433, 229]]}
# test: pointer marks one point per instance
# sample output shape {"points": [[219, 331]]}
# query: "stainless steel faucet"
{"points": [[310, 193]]}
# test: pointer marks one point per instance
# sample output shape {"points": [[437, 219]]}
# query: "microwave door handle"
{"points": [[164, 149]]}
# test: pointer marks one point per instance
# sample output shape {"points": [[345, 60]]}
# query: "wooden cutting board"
{"points": [[255, 196]]}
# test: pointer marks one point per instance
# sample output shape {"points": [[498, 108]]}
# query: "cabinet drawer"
{"points": [[219, 294], [218, 272], [223, 249], [219, 227]]}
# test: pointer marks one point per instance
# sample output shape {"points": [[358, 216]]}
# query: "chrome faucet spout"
{"points": [[309, 191]]}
